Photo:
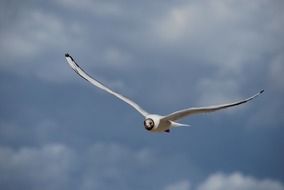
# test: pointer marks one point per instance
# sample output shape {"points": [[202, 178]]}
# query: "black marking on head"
{"points": [[149, 124]]}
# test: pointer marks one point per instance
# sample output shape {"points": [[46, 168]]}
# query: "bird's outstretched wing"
{"points": [[100, 85], [190, 111]]}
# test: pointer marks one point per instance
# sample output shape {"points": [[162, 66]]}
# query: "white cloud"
{"points": [[181, 185], [238, 181], [34, 32], [52, 166], [234, 181], [175, 25], [227, 37], [223, 33], [27, 45], [45, 168], [106, 166]]}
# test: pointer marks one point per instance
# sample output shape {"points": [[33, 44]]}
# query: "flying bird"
{"points": [[155, 122]]}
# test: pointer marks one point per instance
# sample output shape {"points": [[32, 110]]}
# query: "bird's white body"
{"points": [[160, 124], [154, 122]]}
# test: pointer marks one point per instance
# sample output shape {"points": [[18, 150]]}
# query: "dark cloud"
{"points": [[164, 55]]}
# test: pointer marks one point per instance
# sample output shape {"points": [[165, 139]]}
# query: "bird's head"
{"points": [[152, 122], [149, 124]]}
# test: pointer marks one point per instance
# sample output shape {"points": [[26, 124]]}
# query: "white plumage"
{"points": [[153, 122]]}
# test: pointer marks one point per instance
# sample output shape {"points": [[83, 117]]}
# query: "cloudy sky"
{"points": [[58, 132]]}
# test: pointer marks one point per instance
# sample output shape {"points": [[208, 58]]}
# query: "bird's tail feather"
{"points": [[175, 124]]}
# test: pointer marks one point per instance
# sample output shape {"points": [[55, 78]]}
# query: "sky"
{"points": [[59, 132]]}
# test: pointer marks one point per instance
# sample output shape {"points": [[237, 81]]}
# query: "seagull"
{"points": [[155, 122]]}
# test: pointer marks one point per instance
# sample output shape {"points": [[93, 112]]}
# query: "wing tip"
{"points": [[261, 91], [67, 55]]}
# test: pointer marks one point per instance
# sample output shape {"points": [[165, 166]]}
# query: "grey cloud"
{"points": [[241, 39], [276, 73], [228, 35], [100, 8], [164, 55], [27, 43], [33, 168], [103, 166], [99, 166]]}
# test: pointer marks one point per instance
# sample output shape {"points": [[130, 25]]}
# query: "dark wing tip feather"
{"points": [[69, 56]]}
